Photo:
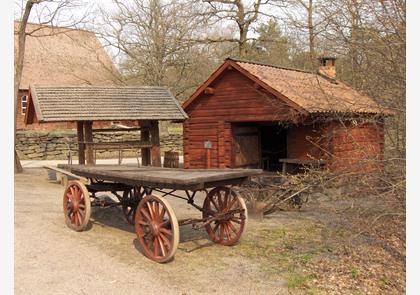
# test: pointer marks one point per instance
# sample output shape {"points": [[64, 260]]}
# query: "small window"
{"points": [[23, 102]]}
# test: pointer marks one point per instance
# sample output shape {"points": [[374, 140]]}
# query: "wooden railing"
{"points": [[119, 146]]}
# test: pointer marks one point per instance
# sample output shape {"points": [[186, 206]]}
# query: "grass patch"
{"points": [[283, 250], [354, 273], [315, 291], [297, 281], [307, 257], [384, 282]]}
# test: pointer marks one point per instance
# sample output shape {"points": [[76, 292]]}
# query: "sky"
{"points": [[86, 14]]}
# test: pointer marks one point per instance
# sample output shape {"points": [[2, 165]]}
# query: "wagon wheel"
{"points": [[157, 228], [76, 205], [129, 202], [228, 230]]}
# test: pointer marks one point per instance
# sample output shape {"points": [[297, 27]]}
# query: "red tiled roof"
{"points": [[312, 92]]}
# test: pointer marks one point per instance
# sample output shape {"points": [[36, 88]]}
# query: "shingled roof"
{"points": [[310, 92], [101, 103], [64, 56]]}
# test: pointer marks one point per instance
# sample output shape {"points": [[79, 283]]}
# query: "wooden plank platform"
{"points": [[158, 177], [63, 176], [300, 162]]}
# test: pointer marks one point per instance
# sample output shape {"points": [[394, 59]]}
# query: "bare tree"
{"points": [[19, 66], [243, 15], [153, 39], [47, 14], [370, 39], [305, 18]]}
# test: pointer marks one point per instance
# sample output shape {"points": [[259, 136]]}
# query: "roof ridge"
{"points": [[317, 74], [97, 86], [269, 65], [51, 26], [109, 104]]}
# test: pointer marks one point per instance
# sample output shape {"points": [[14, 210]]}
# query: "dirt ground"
{"points": [[105, 259], [311, 251]]}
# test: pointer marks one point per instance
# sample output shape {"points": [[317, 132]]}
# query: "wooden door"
{"points": [[246, 147]]}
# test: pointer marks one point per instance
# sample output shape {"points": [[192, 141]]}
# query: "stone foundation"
{"points": [[54, 145]]}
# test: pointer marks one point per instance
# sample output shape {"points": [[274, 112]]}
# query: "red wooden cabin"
{"points": [[249, 114]]}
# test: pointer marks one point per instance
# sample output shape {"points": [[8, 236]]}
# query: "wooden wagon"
{"points": [[224, 213]]}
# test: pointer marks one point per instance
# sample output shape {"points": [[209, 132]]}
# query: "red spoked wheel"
{"points": [[76, 205], [157, 228], [131, 198], [230, 214]]}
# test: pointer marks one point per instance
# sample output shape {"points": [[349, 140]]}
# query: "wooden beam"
{"points": [[154, 133], [89, 138], [145, 136], [80, 144], [116, 129], [209, 90]]}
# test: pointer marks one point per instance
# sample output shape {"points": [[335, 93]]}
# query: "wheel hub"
{"points": [[154, 228], [75, 206]]}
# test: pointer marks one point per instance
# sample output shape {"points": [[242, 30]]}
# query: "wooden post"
{"points": [[208, 159], [145, 136], [89, 138], [227, 138], [154, 133], [284, 169], [207, 148], [221, 144], [80, 144], [186, 143]]}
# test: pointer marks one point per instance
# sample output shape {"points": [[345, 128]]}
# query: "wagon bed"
{"points": [[224, 213], [163, 178]]}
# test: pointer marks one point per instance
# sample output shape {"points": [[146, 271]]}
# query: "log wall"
{"points": [[356, 147], [306, 142], [235, 98]]}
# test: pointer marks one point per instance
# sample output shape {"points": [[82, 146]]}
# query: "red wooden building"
{"points": [[249, 114]]}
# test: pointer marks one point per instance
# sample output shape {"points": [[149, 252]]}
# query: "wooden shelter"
{"points": [[249, 114], [87, 104]]}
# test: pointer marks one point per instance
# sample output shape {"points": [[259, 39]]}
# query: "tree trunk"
{"points": [[242, 50], [243, 29], [18, 71], [243, 34], [311, 36]]}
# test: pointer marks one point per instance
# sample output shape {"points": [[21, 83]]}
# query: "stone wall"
{"points": [[54, 145]]}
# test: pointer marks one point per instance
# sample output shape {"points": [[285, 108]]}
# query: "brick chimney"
{"points": [[327, 66]]}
